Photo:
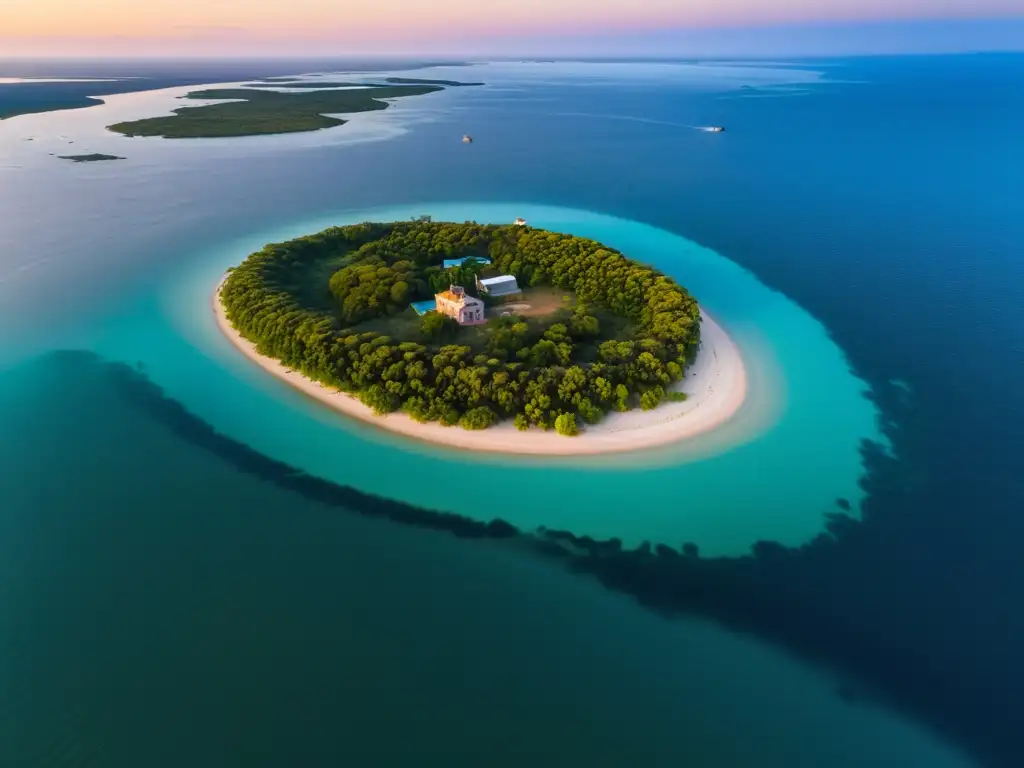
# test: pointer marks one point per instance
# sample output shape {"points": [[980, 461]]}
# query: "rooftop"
{"points": [[500, 286], [499, 280], [451, 295], [449, 263]]}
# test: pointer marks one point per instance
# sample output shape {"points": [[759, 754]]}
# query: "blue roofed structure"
{"points": [[449, 263], [422, 307]]}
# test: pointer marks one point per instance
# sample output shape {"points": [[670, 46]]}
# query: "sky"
{"points": [[49, 28]]}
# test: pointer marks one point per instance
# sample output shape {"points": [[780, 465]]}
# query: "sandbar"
{"points": [[716, 385]]}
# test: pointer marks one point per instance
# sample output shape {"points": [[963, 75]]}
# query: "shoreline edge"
{"points": [[716, 384]]}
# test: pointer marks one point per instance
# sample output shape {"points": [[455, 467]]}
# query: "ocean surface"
{"points": [[857, 230]]}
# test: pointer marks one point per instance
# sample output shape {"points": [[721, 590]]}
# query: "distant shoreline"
{"points": [[90, 91], [92, 158], [259, 110], [716, 384]]}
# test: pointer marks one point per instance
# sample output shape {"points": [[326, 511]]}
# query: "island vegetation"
{"points": [[306, 84], [388, 81], [252, 112], [335, 306], [92, 158], [422, 81]]}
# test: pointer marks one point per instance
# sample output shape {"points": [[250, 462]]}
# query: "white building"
{"points": [[465, 310], [499, 287], [520, 222]]}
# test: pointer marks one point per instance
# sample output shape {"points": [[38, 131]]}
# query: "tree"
{"points": [[417, 408], [584, 326], [478, 418], [399, 292], [565, 424], [557, 333], [379, 399], [572, 385], [651, 398], [589, 412], [622, 395], [434, 324]]}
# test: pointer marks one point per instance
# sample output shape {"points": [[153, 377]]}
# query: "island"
{"points": [[254, 112], [312, 84], [422, 81], [388, 81], [487, 337], [92, 158]]}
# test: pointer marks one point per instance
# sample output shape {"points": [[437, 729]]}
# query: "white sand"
{"points": [[716, 384]]}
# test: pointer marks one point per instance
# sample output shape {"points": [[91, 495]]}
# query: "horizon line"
{"points": [[467, 60]]}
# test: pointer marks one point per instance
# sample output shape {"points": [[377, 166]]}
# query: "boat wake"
{"points": [[633, 119]]}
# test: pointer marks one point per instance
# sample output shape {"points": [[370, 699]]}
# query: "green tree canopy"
{"points": [[317, 304]]}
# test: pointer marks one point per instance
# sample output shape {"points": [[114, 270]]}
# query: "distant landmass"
{"points": [[85, 89], [420, 81], [93, 158], [304, 84], [254, 112], [387, 81]]}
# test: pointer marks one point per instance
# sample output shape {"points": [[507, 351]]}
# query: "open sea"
{"points": [[171, 595]]}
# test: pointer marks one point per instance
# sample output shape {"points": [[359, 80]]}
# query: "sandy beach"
{"points": [[716, 385]]}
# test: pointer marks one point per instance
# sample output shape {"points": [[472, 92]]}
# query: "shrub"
{"points": [[478, 418], [565, 424], [651, 398], [379, 399]]}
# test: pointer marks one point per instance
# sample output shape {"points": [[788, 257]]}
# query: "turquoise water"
{"points": [[726, 489], [152, 592]]}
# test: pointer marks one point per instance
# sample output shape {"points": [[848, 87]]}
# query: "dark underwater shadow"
{"points": [[865, 597]]}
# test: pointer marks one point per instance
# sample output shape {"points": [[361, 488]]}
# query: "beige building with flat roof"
{"points": [[465, 310]]}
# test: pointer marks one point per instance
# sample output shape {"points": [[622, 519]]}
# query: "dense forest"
{"points": [[334, 306]]}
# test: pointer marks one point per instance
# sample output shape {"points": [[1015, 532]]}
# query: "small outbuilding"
{"points": [[499, 287]]}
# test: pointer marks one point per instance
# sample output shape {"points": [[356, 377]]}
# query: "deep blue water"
{"points": [[883, 200]]}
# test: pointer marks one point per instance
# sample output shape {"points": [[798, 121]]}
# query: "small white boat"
{"points": [[714, 129], [467, 139]]}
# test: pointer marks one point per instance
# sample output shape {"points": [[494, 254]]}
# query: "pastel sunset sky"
{"points": [[657, 27]]}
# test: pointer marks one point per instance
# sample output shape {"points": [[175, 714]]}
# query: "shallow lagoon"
{"points": [[725, 489]]}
